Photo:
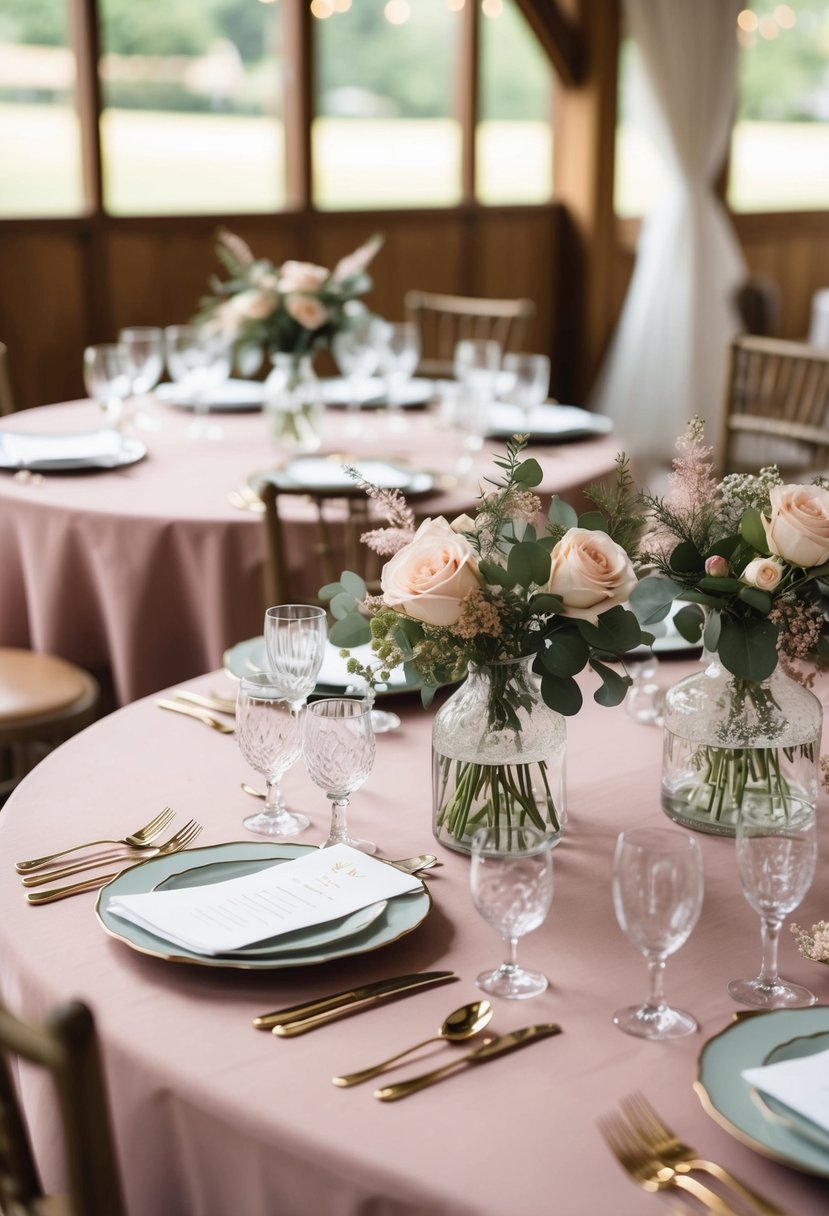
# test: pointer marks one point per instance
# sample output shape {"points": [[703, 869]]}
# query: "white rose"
{"points": [[307, 311], [301, 276], [763, 572], [590, 572], [253, 305], [430, 577], [798, 530], [463, 523]]}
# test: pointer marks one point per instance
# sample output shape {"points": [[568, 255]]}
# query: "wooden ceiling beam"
{"points": [[560, 37]]}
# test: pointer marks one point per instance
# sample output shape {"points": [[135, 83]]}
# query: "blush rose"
{"points": [[798, 529], [590, 572], [763, 572], [429, 577]]}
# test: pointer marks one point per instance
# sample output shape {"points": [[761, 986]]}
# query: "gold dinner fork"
{"points": [[175, 844], [94, 863], [137, 839], [665, 1145], [638, 1161]]}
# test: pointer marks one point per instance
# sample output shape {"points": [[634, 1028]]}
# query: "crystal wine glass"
{"points": [[295, 641], [199, 361], [476, 362], [269, 734], [357, 355], [338, 750], [106, 379], [399, 346], [529, 380], [657, 894], [776, 859], [142, 352], [511, 878]]}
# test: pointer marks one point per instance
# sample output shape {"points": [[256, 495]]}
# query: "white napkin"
{"points": [[312, 890], [25, 450], [802, 1085], [334, 671]]}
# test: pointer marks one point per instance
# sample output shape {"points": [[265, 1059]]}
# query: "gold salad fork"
{"points": [[651, 1174], [137, 840], [667, 1146], [94, 863], [175, 844]]}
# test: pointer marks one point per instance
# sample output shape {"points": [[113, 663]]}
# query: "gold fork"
{"points": [[638, 1161], [174, 845], [136, 839], [682, 1157], [95, 863]]}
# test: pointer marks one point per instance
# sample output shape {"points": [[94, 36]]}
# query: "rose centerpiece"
{"points": [[748, 558], [289, 311], [517, 616]]}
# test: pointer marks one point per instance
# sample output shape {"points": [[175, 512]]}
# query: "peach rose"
{"points": [[798, 530], [301, 276], [590, 572], [253, 305], [763, 572], [430, 576], [307, 311]]}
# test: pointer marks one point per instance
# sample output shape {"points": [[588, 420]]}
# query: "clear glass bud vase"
{"points": [[727, 740], [293, 402], [497, 756]]}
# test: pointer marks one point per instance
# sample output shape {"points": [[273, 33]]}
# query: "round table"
{"points": [[150, 570], [212, 1116]]}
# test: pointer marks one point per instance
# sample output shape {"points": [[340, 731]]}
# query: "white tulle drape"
{"points": [[667, 358]]}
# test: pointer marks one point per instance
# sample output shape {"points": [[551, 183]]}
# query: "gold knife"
{"points": [[214, 704], [200, 715], [487, 1051], [299, 1018]]}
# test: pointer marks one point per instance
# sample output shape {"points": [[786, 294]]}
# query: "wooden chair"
{"points": [[43, 700], [445, 320], [66, 1046], [776, 408], [758, 303], [7, 405]]}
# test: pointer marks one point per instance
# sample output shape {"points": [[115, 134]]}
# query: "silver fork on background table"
{"points": [[175, 845], [95, 863], [137, 839]]}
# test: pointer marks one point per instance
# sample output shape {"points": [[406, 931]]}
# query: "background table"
{"points": [[149, 570], [212, 1117]]}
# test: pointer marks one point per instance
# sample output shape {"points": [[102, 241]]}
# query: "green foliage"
{"points": [[651, 599], [621, 504], [753, 532], [748, 648]]}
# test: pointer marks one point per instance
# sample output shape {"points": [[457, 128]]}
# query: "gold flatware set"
{"points": [[199, 714]]}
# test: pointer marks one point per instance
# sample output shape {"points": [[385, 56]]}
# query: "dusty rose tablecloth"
{"points": [[151, 571], [212, 1117]]}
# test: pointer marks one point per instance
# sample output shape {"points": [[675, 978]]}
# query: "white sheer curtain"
{"points": [[667, 358]]}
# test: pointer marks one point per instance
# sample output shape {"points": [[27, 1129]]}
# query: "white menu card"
{"points": [[801, 1084], [311, 890]]}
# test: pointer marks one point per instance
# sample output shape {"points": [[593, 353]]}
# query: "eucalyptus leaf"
{"points": [[330, 590], [494, 574], [529, 472], [748, 649], [562, 695], [724, 586], [342, 604], [566, 655], [528, 564], [651, 599], [711, 632], [402, 642], [351, 630], [545, 604], [353, 583], [756, 598], [614, 686], [753, 532], [594, 521], [688, 622], [686, 558], [617, 630], [562, 513]]}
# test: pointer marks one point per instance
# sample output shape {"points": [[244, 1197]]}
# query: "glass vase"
{"points": [[497, 756], [728, 741], [293, 402]]}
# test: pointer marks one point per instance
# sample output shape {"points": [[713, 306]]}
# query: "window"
{"points": [[640, 172], [514, 138], [191, 106], [40, 141], [385, 131], [780, 143]]}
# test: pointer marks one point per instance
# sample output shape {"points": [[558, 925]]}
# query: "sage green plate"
{"points": [[796, 1049], [401, 915], [747, 1042], [248, 657]]}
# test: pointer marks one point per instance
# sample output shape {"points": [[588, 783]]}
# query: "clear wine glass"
{"points": [[529, 377], [269, 734], [106, 379], [295, 639], [338, 750], [657, 894], [357, 354], [477, 363], [511, 879], [142, 352], [399, 346], [199, 361], [776, 859]]}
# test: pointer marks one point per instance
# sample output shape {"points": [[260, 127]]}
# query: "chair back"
{"points": [[66, 1046], [445, 320], [7, 405], [776, 407]]}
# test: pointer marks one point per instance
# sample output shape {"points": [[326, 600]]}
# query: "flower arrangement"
{"points": [[478, 593], [295, 308], [813, 943]]}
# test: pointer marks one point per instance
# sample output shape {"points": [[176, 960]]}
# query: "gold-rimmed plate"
{"points": [[401, 915], [803, 1046], [747, 1042]]}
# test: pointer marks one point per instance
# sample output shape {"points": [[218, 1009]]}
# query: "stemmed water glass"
{"points": [[338, 750], [199, 361], [776, 859], [142, 353], [399, 347], [657, 894], [529, 380], [476, 363], [357, 355], [269, 734], [295, 641], [106, 379], [511, 879]]}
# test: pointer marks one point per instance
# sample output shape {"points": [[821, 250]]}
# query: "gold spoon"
{"points": [[460, 1025], [253, 793]]}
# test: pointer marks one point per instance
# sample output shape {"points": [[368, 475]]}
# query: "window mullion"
{"points": [[468, 95], [298, 59], [83, 23]]}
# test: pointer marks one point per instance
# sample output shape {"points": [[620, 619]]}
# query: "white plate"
{"points": [[327, 475], [249, 657], [105, 449], [234, 396], [547, 423], [414, 395]]}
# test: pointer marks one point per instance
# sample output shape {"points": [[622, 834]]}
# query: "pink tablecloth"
{"points": [[212, 1117], [151, 571]]}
